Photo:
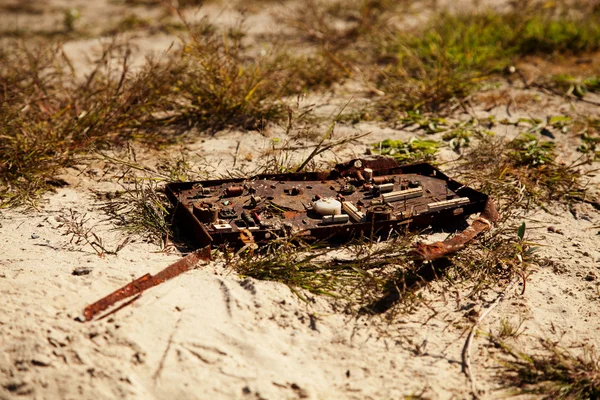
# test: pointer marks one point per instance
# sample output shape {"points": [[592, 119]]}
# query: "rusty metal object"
{"points": [[378, 180], [233, 191], [206, 212], [483, 223], [146, 282], [380, 212], [276, 205], [374, 163], [377, 197]]}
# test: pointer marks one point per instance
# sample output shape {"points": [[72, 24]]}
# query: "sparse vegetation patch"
{"points": [[557, 373], [521, 172], [457, 52]]}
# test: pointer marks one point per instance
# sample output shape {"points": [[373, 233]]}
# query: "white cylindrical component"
{"points": [[442, 205], [402, 195], [367, 174], [327, 206], [383, 188], [352, 211], [336, 219]]}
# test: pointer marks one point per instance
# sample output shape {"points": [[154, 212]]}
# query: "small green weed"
{"points": [[428, 124], [458, 139], [528, 150], [414, 150], [577, 86], [509, 330], [590, 145]]}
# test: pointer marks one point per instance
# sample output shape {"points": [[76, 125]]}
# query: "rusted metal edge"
{"points": [[146, 282], [485, 222]]}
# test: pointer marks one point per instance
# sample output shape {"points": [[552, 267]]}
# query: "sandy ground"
{"points": [[211, 334]]}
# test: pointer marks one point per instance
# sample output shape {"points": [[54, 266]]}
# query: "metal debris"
{"points": [[368, 197], [371, 196], [437, 250], [145, 282], [81, 271]]}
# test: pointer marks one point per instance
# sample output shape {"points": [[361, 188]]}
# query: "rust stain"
{"points": [[291, 214]]}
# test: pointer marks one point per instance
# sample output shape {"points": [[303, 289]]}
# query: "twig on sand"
{"points": [[466, 354]]}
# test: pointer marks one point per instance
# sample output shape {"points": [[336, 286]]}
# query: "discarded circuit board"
{"points": [[370, 196]]}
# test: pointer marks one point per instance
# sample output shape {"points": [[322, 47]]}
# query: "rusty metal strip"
{"points": [[483, 223], [147, 281], [120, 307]]}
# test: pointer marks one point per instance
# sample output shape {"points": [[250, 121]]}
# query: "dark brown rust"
{"points": [[206, 212], [146, 282], [378, 180], [375, 163]]}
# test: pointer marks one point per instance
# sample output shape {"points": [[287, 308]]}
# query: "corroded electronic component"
{"points": [[353, 212], [233, 191], [206, 212], [379, 212], [402, 195], [367, 196], [442, 205], [336, 219]]}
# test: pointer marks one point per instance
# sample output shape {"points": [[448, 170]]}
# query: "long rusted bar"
{"points": [[483, 223], [146, 282]]}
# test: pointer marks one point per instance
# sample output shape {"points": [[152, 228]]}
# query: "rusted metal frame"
{"points": [[146, 282], [379, 166]]}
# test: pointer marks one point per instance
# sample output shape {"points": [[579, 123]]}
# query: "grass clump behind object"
{"points": [[221, 87], [521, 172], [455, 53], [49, 114]]}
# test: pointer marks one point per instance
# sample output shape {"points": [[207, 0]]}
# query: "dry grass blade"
{"points": [[141, 210]]}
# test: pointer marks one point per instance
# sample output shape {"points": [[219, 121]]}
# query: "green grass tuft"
{"points": [[455, 53], [415, 150]]}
